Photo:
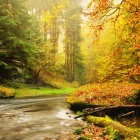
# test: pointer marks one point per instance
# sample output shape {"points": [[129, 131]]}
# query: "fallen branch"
{"points": [[126, 114], [90, 111], [107, 121]]}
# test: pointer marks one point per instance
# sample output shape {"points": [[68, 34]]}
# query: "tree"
{"points": [[125, 49], [73, 57], [15, 46]]}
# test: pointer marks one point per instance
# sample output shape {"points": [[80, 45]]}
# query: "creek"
{"points": [[39, 118]]}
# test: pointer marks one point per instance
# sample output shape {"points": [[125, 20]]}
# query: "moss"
{"points": [[113, 133], [78, 131], [83, 138], [121, 129]]}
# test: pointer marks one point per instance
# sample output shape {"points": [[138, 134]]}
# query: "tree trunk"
{"points": [[125, 131]]}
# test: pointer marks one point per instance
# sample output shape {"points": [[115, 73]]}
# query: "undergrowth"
{"points": [[6, 92]]}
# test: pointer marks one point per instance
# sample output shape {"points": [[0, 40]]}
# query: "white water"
{"points": [[36, 119]]}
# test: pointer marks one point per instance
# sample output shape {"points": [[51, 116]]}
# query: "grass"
{"points": [[41, 91]]}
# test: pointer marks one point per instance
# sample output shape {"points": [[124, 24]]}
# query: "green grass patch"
{"points": [[41, 91]]}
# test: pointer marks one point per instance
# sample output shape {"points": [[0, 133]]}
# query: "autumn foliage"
{"points": [[120, 19], [106, 94], [6, 92]]}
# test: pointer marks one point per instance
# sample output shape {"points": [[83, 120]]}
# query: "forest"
{"points": [[91, 48], [41, 38], [67, 39]]}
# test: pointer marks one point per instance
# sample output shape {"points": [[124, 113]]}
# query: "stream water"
{"points": [[40, 118]]}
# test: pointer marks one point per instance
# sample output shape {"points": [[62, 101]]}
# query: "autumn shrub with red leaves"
{"points": [[106, 94]]}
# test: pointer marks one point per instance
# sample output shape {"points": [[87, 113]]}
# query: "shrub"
{"points": [[6, 92]]}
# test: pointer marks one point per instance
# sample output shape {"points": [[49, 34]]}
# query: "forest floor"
{"points": [[106, 95]]}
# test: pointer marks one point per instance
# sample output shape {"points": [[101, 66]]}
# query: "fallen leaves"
{"points": [[105, 94]]}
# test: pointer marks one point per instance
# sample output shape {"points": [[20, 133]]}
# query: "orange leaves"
{"points": [[120, 26], [100, 27], [135, 70], [104, 94]]}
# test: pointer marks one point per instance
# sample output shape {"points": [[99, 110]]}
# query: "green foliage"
{"points": [[15, 84], [83, 138], [78, 131], [5, 71], [80, 70], [40, 91], [15, 44], [116, 130], [29, 40], [90, 131], [113, 134], [75, 69]]}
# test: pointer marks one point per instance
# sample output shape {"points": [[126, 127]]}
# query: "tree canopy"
{"points": [[121, 61]]}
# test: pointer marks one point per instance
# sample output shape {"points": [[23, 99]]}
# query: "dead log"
{"points": [[107, 121], [90, 111], [124, 106]]}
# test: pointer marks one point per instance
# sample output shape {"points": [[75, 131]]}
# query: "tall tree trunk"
{"points": [[45, 31]]}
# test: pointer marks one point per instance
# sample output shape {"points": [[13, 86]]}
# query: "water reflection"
{"points": [[130, 121]]}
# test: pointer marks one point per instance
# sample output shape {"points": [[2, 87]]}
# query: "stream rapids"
{"points": [[41, 118]]}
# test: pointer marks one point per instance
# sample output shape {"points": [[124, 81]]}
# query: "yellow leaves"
{"points": [[47, 16], [138, 54], [56, 9], [6, 92]]}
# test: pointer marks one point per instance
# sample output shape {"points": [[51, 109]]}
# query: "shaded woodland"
{"points": [[40, 38], [66, 39]]}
